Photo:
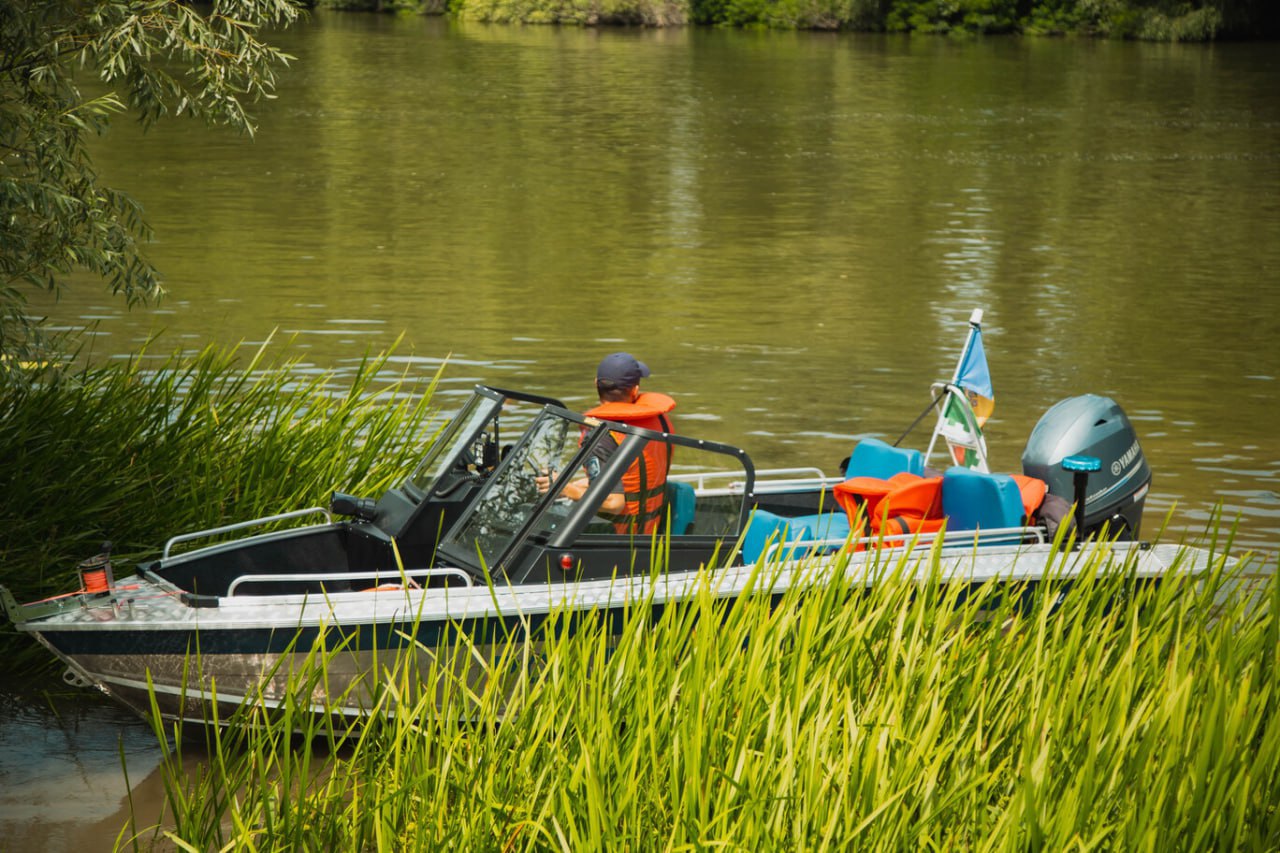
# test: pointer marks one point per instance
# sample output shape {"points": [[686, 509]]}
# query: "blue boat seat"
{"points": [[766, 529], [681, 500], [973, 500], [875, 458]]}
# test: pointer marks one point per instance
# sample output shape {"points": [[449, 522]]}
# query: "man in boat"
{"points": [[636, 503]]}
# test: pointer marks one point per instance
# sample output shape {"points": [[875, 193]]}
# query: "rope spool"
{"points": [[96, 577], [95, 580]]}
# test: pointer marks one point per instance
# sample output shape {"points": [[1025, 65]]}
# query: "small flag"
{"points": [[955, 429], [975, 378], [969, 402]]}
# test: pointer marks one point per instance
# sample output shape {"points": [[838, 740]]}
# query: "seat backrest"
{"points": [[763, 529], [874, 458], [767, 530], [681, 501], [972, 500]]}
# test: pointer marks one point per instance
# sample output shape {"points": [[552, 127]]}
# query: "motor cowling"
{"points": [[1090, 425]]}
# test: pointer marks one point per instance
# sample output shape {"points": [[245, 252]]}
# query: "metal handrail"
{"points": [[766, 487], [346, 576], [241, 525], [957, 537], [700, 478], [815, 472]]}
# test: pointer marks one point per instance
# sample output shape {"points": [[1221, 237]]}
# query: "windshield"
{"points": [[459, 445], [511, 497]]}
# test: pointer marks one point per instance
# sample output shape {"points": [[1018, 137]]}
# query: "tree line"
{"points": [[1152, 20]]}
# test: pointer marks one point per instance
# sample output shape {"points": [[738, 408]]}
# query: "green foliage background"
{"points": [[154, 60], [1156, 20]]}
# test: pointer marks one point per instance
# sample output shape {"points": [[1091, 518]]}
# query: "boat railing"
{"points": [[294, 577], [243, 525], [776, 480], [950, 539], [770, 479]]}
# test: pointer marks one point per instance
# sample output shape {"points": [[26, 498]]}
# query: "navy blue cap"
{"points": [[622, 369]]}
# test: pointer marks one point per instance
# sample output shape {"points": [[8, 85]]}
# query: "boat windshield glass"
{"points": [[511, 497], [460, 445]]}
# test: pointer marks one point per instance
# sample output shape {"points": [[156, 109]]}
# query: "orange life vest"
{"points": [[1033, 492], [644, 485], [907, 503], [904, 503]]}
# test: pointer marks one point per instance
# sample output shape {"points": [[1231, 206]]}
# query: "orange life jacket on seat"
{"points": [[1033, 492], [644, 485], [904, 503], [907, 503]]}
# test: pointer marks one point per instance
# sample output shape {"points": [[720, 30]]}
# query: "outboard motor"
{"points": [[1090, 425]]}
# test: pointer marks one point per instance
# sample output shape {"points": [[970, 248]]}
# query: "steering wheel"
{"points": [[531, 471]]}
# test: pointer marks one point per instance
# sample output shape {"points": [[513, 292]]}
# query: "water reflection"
{"points": [[62, 783]]}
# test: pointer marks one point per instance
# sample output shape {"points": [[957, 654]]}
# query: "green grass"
{"points": [[901, 717]]}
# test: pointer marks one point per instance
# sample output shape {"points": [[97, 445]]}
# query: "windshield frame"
{"points": [[470, 553], [483, 408], [546, 523]]}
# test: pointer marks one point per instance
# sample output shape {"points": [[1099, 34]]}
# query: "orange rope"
{"points": [[54, 597], [82, 591], [95, 581]]}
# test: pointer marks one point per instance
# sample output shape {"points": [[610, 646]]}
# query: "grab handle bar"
{"points": [[347, 576], [241, 525], [702, 479]]}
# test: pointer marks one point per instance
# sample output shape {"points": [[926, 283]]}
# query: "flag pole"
{"points": [[975, 329], [975, 323]]}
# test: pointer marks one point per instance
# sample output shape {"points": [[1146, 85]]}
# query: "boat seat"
{"points": [[875, 458], [681, 501], [766, 529], [972, 500]]}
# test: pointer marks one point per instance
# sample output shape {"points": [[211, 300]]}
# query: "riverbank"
{"points": [[1146, 20]]}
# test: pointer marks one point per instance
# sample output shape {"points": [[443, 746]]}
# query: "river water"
{"points": [[790, 228]]}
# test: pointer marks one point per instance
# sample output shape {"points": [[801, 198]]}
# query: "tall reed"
{"points": [[137, 451], [1100, 713]]}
